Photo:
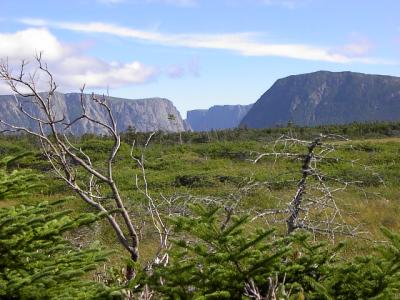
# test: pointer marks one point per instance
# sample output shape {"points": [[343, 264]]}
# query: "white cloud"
{"points": [[111, 75], [247, 44], [71, 68], [26, 43]]}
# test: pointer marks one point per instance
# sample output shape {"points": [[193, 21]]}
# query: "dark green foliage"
{"points": [[353, 130], [374, 276], [225, 150], [204, 256], [36, 262], [18, 182], [192, 181], [214, 259]]}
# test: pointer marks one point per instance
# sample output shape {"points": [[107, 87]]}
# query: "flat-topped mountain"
{"points": [[144, 114], [217, 117], [327, 98]]}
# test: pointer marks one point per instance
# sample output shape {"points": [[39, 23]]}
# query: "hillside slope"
{"points": [[144, 114], [327, 98], [217, 117]]}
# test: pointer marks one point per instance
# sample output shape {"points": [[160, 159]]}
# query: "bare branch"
{"points": [[64, 157]]}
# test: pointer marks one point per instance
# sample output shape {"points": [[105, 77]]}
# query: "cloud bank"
{"points": [[71, 68], [25, 43], [243, 43]]}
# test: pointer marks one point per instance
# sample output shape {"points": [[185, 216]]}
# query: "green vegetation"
{"points": [[220, 260], [36, 261], [353, 131], [209, 258]]}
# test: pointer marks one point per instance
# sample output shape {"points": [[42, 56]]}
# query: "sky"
{"points": [[198, 53]]}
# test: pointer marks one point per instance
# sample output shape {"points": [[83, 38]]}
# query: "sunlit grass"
{"points": [[222, 169]]}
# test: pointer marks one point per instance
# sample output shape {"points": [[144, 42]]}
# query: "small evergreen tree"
{"points": [[16, 183], [375, 276], [216, 259], [36, 262]]}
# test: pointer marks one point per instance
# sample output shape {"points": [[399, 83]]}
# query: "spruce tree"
{"points": [[36, 261], [16, 183], [374, 276], [214, 259]]}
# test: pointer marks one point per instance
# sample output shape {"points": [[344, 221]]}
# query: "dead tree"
{"points": [[162, 229], [314, 205], [294, 207], [95, 185]]}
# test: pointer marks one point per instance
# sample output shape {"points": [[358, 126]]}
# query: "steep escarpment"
{"points": [[217, 117], [327, 98], [144, 115]]}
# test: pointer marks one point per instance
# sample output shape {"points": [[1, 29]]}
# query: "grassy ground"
{"points": [[223, 169]]}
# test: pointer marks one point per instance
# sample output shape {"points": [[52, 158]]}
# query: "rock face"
{"points": [[327, 98], [144, 114], [217, 117]]}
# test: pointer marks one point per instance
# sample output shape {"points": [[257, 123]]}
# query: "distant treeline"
{"points": [[16, 143], [352, 130]]}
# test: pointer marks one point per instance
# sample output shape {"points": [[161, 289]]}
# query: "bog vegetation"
{"points": [[218, 225]]}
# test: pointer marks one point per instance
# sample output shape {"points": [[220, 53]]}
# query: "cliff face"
{"points": [[217, 117], [327, 98], [144, 114]]}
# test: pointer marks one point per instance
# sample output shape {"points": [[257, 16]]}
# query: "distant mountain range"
{"points": [[217, 117], [144, 115], [327, 98], [308, 99]]}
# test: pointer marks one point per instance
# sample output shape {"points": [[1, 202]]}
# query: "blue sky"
{"points": [[199, 53]]}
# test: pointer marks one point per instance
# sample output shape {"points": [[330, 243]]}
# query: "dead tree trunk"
{"points": [[295, 205], [69, 161]]}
